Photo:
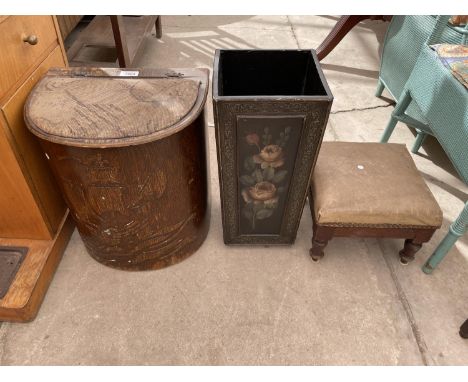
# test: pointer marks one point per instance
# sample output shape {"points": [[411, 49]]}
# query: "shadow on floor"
{"points": [[196, 45], [436, 154], [356, 71]]}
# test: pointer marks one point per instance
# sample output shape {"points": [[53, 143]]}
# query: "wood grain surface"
{"points": [[102, 109], [32, 212], [22, 56], [25, 295], [137, 206], [20, 215], [31, 158]]}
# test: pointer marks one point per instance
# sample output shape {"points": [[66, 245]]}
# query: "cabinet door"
{"points": [[20, 216], [48, 203]]}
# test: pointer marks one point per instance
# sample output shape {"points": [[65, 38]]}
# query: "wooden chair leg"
{"points": [[340, 30], [464, 330], [316, 252], [158, 26], [409, 250], [320, 240], [120, 39]]}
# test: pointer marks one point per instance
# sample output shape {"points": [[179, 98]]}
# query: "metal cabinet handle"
{"points": [[31, 39]]}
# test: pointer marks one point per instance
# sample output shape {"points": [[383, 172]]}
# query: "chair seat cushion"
{"points": [[371, 184]]}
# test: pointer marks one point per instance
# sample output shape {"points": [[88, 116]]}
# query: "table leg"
{"points": [[120, 41], [340, 30]]}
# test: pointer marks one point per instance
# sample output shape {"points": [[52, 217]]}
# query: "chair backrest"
{"points": [[403, 41], [444, 102]]}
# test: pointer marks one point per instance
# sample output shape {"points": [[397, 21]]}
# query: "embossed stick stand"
{"points": [[128, 150], [271, 108]]}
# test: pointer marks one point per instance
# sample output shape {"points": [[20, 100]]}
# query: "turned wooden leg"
{"points": [[320, 238], [316, 252], [464, 330], [409, 250]]}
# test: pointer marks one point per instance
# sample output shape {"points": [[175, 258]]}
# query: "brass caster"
{"points": [[314, 257], [404, 260]]}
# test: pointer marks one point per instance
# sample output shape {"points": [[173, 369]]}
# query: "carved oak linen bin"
{"points": [[270, 109], [128, 150]]}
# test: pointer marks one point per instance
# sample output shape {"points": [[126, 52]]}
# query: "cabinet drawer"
{"points": [[28, 150], [21, 56]]}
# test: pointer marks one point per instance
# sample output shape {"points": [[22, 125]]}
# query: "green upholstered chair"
{"points": [[405, 37], [442, 101]]}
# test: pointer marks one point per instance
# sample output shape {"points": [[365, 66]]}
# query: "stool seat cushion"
{"points": [[371, 184]]}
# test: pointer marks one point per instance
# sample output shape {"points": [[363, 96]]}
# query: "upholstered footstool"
{"points": [[370, 190]]}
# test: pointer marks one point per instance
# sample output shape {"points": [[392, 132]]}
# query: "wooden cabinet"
{"points": [[32, 211], [42, 219], [23, 55], [67, 23]]}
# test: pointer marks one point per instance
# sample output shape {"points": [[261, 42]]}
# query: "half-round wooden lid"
{"points": [[112, 107]]}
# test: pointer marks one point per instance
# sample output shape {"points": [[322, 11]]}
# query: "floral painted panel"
{"points": [[267, 148]]}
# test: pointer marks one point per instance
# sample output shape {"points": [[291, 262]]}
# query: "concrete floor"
{"points": [[228, 305]]}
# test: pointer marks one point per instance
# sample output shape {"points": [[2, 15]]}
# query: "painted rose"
{"points": [[270, 203], [270, 156], [252, 139], [262, 191]]}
